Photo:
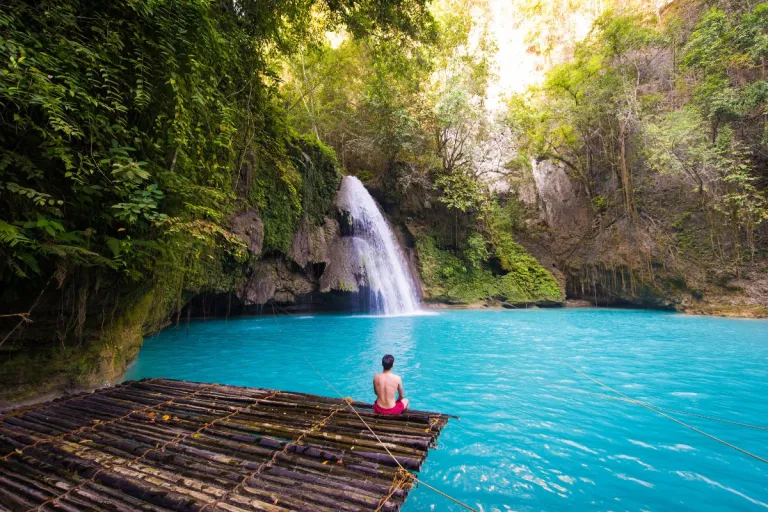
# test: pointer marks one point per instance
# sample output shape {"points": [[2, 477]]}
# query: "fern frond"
{"points": [[29, 260], [79, 255], [11, 235], [115, 245], [17, 270]]}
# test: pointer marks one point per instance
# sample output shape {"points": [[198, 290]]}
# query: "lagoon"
{"points": [[534, 434]]}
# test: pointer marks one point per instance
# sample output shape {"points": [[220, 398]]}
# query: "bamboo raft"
{"points": [[165, 445]]}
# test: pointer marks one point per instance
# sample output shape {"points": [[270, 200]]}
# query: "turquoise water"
{"points": [[532, 434]]}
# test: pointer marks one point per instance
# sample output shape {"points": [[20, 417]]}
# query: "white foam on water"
{"points": [[418, 312], [640, 443], [391, 286], [682, 394], [634, 459], [578, 446], [688, 475], [679, 448], [636, 480]]}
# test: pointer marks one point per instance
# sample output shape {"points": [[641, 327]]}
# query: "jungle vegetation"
{"points": [[131, 133], [661, 116]]}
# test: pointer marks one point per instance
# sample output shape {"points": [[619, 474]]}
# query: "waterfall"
{"points": [[386, 272]]}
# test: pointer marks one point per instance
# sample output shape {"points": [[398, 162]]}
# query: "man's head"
{"points": [[387, 361]]}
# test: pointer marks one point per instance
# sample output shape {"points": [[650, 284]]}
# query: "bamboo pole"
{"points": [[162, 445]]}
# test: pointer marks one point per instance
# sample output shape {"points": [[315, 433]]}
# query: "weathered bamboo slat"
{"points": [[159, 445]]}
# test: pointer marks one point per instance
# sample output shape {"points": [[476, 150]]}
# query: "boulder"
{"points": [[261, 285]]}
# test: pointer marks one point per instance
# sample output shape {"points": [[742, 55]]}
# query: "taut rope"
{"points": [[686, 413], [657, 411], [399, 475]]}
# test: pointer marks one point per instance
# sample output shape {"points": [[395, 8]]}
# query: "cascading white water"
{"points": [[391, 287]]}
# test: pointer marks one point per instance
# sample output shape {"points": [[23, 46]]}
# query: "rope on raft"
{"points": [[399, 481], [142, 464], [403, 475], [400, 478], [657, 411]]}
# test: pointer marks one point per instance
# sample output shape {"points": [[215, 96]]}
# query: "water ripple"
{"points": [[533, 434]]}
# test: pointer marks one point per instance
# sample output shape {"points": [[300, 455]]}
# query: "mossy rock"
{"points": [[447, 277]]}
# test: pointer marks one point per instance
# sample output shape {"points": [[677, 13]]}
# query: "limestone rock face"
{"points": [[249, 227], [564, 204], [346, 271], [528, 194], [274, 279], [261, 285], [323, 270], [311, 242], [321, 261]]}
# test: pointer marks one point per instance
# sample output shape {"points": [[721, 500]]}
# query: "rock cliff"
{"points": [[631, 261]]}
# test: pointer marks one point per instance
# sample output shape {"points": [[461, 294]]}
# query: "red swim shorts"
{"points": [[397, 409]]}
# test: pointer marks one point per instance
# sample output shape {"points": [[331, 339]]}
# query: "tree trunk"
{"points": [[626, 176]]}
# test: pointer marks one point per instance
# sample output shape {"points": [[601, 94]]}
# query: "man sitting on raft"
{"points": [[385, 384]]}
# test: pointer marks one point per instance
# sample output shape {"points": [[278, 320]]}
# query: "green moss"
{"points": [[300, 178], [276, 192], [448, 277], [729, 310], [525, 274], [344, 286], [320, 175], [97, 361]]}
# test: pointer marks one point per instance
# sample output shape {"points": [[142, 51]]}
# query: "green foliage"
{"points": [[111, 112], [320, 176], [523, 271], [447, 276], [460, 190], [380, 104], [588, 104], [142, 203], [605, 114], [743, 204], [684, 232], [721, 48], [276, 190], [124, 121], [476, 252], [708, 47], [599, 203], [362, 99]]}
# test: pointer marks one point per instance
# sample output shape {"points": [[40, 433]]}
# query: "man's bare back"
{"points": [[389, 388]]}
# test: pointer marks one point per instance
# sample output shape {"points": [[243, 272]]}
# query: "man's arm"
{"points": [[400, 391], [374, 387]]}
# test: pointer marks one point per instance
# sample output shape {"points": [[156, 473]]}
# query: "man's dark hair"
{"points": [[387, 361]]}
